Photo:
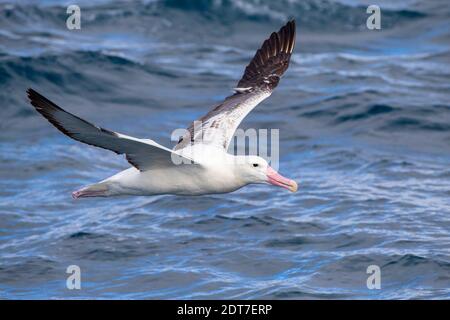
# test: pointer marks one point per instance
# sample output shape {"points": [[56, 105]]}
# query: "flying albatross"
{"points": [[195, 166]]}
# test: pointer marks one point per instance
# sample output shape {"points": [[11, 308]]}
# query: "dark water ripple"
{"points": [[364, 122]]}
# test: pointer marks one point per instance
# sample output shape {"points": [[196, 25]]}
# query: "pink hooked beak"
{"points": [[277, 179]]}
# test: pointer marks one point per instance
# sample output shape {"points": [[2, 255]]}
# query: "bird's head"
{"points": [[254, 169]]}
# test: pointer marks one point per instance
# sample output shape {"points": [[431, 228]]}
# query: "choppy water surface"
{"points": [[364, 120]]}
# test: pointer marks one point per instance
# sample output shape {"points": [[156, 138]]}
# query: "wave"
{"points": [[363, 89], [312, 14]]}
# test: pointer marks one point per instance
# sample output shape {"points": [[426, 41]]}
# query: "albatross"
{"points": [[199, 163]]}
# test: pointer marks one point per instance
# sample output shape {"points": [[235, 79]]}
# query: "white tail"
{"points": [[93, 190]]}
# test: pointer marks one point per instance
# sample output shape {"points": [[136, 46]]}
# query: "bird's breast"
{"points": [[181, 180]]}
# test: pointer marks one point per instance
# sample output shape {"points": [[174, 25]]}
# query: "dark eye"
{"points": [[255, 165]]}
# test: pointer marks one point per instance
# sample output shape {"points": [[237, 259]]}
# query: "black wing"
{"points": [[144, 154], [261, 76]]}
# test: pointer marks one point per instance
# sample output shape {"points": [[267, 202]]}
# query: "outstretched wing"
{"points": [[141, 153], [261, 76]]}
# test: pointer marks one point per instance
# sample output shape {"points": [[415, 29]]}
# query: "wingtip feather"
{"points": [[271, 60]]}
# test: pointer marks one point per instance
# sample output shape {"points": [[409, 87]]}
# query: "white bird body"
{"points": [[199, 164], [214, 173]]}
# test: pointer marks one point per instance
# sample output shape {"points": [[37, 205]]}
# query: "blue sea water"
{"points": [[364, 119]]}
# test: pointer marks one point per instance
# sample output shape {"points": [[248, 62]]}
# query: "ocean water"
{"points": [[364, 119]]}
